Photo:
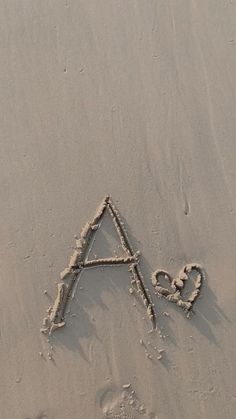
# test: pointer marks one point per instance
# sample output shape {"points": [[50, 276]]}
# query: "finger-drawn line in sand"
{"points": [[78, 261], [177, 285]]}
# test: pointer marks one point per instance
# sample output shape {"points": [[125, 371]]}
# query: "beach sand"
{"points": [[135, 100]]}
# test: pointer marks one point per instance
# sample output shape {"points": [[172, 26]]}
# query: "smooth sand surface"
{"points": [[135, 99]]}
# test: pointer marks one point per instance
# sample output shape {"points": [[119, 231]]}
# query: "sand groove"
{"points": [[56, 313], [177, 285]]}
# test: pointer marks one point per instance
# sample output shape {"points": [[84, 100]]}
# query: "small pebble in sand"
{"points": [[141, 341], [49, 356], [148, 355], [142, 408], [159, 357], [161, 350], [126, 385], [81, 288], [165, 313], [131, 290], [40, 353], [45, 292]]}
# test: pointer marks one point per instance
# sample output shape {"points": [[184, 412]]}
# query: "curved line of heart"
{"points": [[177, 285]]}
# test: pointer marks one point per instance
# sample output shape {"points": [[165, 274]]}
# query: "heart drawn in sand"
{"points": [[177, 285]]}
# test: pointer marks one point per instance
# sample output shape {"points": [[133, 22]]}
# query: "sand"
{"points": [[135, 100]]}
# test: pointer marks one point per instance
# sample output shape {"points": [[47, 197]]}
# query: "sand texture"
{"points": [[118, 209]]}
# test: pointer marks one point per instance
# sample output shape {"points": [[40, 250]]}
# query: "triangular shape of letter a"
{"points": [[106, 242], [80, 260]]}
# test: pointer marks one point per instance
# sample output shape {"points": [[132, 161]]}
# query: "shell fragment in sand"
{"points": [[125, 386]]}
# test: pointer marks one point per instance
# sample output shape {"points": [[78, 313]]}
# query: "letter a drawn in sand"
{"points": [[79, 261]]}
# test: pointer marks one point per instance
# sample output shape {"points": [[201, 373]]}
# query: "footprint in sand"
{"points": [[106, 397], [122, 403]]}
